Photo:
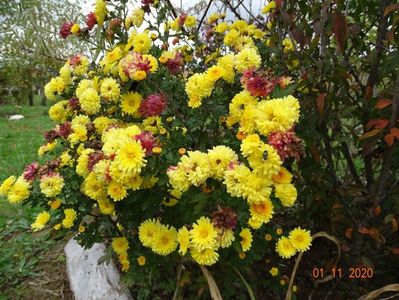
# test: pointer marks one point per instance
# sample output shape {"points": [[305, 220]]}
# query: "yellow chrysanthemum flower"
{"points": [[225, 238], [100, 11], [262, 211], [117, 191], [130, 157], [59, 111], [287, 194], [6, 185], [141, 42], [164, 240], [285, 248], [276, 115], [41, 220], [51, 185], [110, 89], [203, 234], [219, 158], [120, 245], [282, 177], [106, 207], [247, 58], [147, 230], [239, 103], [19, 191], [183, 237], [246, 239], [69, 219], [130, 103], [141, 261], [55, 204], [206, 257], [300, 239], [90, 101]]}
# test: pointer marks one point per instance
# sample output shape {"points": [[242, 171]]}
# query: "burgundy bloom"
{"points": [[175, 64], [74, 103], [259, 86], [94, 158], [74, 60], [65, 29], [287, 144], [182, 19], [224, 218], [153, 105], [147, 141], [31, 171], [64, 130], [50, 135], [49, 167], [91, 20]]}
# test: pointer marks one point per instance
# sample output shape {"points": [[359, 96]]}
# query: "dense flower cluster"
{"points": [[118, 126]]}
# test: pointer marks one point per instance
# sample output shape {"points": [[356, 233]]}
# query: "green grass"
{"points": [[19, 141]]}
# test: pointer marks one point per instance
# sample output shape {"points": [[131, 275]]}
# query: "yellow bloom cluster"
{"points": [[298, 240], [15, 190], [69, 219], [41, 220], [51, 185], [265, 116], [120, 246]]}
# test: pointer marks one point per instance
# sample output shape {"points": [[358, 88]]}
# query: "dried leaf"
{"points": [[340, 28], [363, 230], [348, 233], [376, 235], [382, 103], [377, 210], [381, 123], [213, 288], [374, 294], [394, 224], [370, 134], [370, 124], [320, 100], [391, 8], [368, 93], [395, 132], [389, 138]]}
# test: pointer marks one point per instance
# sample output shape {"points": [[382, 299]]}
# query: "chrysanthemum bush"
{"points": [[174, 150]]}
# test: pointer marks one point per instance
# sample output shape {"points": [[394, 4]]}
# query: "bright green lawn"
{"points": [[19, 141]]}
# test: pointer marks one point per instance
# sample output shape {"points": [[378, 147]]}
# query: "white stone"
{"points": [[88, 279], [16, 117]]}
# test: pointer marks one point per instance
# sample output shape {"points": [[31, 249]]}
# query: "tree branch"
{"points": [[204, 15], [351, 165], [381, 192]]}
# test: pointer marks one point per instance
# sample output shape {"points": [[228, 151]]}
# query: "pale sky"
{"points": [[253, 5]]}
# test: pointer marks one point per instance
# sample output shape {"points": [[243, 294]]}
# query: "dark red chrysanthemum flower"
{"points": [[51, 135], [31, 170], [94, 158], [175, 64], [153, 105], [75, 60], [65, 29], [74, 103], [64, 130], [147, 141], [91, 20], [287, 144], [182, 19], [259, 86], [224, 218]]}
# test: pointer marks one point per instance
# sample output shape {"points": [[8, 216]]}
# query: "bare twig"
{"points": [[381, 192], [204, 15]]}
